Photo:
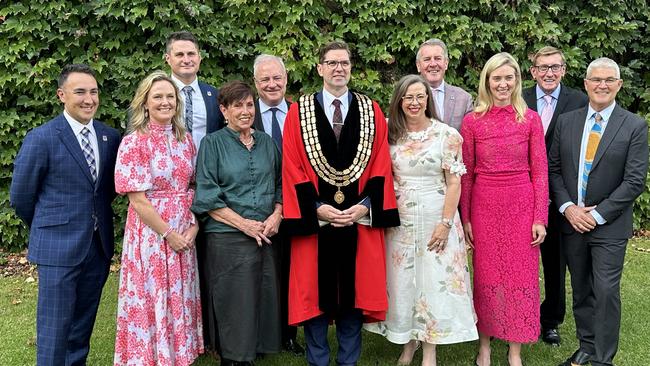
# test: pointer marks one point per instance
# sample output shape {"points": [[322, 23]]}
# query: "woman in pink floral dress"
{"points": [[159, 310], [504, 204], [429, 289]]}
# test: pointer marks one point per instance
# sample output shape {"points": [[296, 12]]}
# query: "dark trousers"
{"points": [[596, 266], [68, 298], [282, 245], [553, 307], [348, 334]]}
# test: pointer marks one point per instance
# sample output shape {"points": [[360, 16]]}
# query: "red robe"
{"points": [[300, 192]]}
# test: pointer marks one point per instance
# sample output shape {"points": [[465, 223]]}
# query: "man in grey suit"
{"points": [[452, 103], [598, 165], [550, 98], [270, 112]]}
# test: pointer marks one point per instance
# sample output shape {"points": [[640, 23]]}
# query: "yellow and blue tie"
{"points": [[592, 145]]}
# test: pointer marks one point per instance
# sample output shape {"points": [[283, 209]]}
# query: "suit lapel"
{"points": [[257, 122], [72, 144], [576, 136], [562, 102], [102, 145], [613, 126], [450, 102], [530, 98], [210, 105]]}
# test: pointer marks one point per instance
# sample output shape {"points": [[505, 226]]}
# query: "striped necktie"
{"points": [[89, 153], [592, 145], [547, 112]]}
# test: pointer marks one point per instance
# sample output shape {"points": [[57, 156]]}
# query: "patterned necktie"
{"points": [[189, 111], [89, 153], [337, 120], [276, 132], [547, 112], [439, 111], [590, 152]]}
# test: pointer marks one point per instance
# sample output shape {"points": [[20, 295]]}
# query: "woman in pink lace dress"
{"points": [[504, 203], [159, 310]]}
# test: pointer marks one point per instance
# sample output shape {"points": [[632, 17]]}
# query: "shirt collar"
{"points": [[328, 98], [78, 126], [555, 94], [605, 113], [180, 85], [440, 87], [265, 107]]}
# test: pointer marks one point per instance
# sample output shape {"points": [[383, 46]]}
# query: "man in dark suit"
{"points": [[202, 116], [452, 103], [62, 188], [270, 112], [550, 98], [201, 110], [598, 165]]}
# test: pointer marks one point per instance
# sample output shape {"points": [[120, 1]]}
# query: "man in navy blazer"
{"points": [[201, 110], [452, 103], [597, 165], [548, 69], [62, 188]]}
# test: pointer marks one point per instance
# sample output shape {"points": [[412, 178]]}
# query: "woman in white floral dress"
{"points": [[429, 289]]}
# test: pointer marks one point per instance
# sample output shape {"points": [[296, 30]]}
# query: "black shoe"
{"points": [[293, 347], [578, 358], [551, 336]]}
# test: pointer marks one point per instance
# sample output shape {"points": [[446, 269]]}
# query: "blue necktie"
{"points": [[276, 132], [189, 111]]}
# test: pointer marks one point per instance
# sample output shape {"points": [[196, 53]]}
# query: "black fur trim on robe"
{"points": [[380, 217], [307, 224]]}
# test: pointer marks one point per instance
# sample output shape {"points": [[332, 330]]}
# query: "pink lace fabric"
{"points": [[504, 192]]}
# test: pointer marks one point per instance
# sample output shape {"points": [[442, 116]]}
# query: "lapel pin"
{"points": [[104, 138], [209, 93]]}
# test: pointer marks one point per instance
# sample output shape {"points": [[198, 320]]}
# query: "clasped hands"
{"points": [[262, 231], [580, 218], [338, 218], [182, 241]]}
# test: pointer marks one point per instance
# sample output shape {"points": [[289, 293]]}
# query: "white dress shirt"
{"points": [[92, 137], [199, 111], [328, 98], [267, 115], [439, 98]]}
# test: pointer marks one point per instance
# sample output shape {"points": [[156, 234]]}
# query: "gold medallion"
{"points": [[339, 197]]}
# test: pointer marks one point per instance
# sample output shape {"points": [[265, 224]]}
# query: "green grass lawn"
{"points": [[18, 328]]}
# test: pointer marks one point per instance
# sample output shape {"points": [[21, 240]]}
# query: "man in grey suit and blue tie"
{"points": [[452, 103], [597, 165], [270, 112], [62, 188], [550, 98]]}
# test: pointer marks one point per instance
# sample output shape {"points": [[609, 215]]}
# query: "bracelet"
{"points": [[166, 234], [446, 222]]}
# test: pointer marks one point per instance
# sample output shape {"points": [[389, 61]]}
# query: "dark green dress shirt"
{"points": [[229, 175]]}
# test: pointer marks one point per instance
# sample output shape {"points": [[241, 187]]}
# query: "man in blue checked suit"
{"points": [[62, 188]]}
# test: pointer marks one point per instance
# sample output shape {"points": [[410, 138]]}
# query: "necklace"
{"points": [[249, 143], [335, 177]]}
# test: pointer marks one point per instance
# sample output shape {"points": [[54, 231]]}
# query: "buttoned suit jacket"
{"points": [[457, 104], [568, 100], [53, 192], [214, 117], [617, 175]]}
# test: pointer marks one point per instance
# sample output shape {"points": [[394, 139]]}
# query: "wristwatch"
{"points": [[446, 222]]}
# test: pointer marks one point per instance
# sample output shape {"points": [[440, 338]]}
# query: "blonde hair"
{"points": [[139, 120], [484, 101]]}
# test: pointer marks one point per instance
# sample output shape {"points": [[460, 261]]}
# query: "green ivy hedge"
{"points": [[124, 40]]}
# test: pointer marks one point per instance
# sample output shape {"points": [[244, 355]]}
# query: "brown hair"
{"points": [[397, 120], [234, 91], [331, 46]]}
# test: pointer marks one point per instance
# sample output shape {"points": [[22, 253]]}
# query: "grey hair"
{"points": [[433, 42], [604, 62], [264, 58]]}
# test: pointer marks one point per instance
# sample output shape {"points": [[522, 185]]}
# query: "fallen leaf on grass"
{"points": [[29, 279], [16, 301]]}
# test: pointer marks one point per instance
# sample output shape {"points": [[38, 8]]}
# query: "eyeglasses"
{"points": [[410, 98], [266, 80], [608, 81], [332, 64], [545, 68]]}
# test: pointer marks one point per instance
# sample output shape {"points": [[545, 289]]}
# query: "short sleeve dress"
{"points": [[159, 308]]}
